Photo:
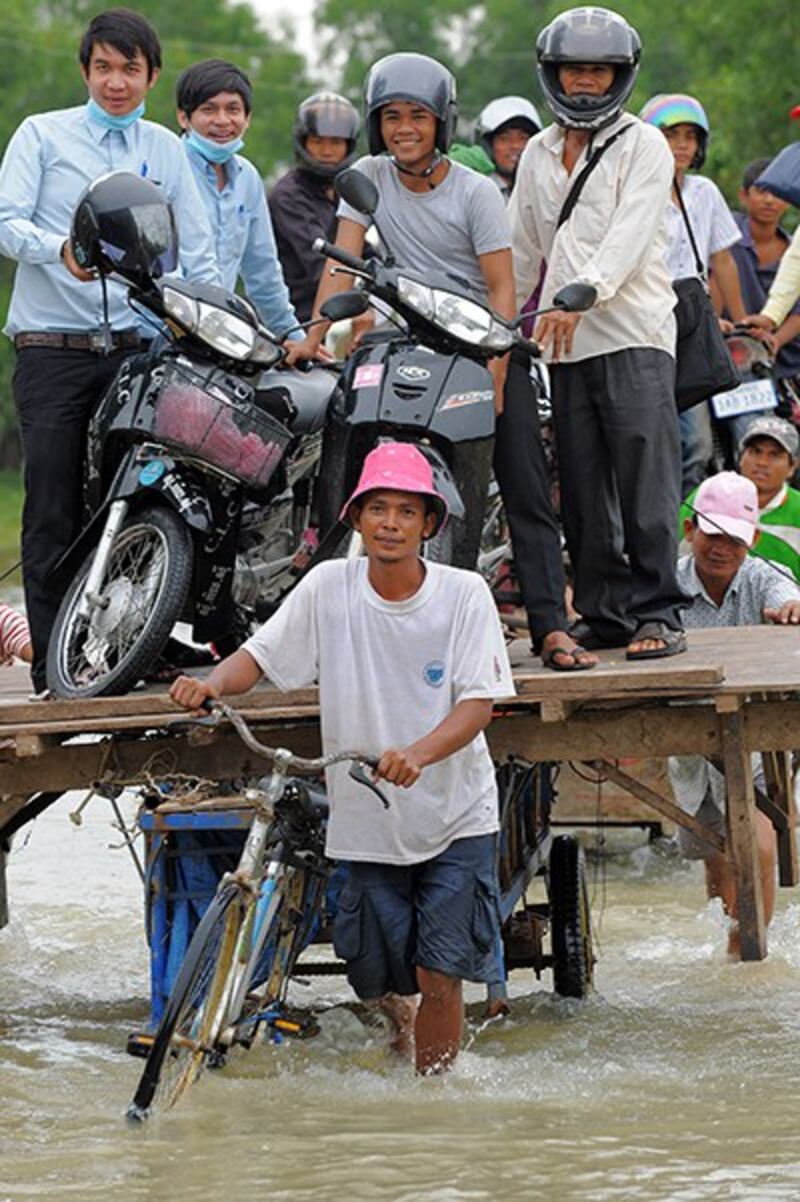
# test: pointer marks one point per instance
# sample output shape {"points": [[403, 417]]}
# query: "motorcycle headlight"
{"points": [[226, 333], [457, 315]]}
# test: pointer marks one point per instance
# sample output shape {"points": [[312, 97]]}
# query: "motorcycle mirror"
{"points": [[344, 305], [357, 190], [575, 298]]}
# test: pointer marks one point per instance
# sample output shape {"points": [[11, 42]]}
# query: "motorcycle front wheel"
{"points": [[143, 593]]}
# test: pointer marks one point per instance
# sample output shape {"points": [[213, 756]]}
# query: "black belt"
{"points": [[94, 340]]}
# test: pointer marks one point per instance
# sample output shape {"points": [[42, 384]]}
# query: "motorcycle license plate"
{"points": [[751, 397]]}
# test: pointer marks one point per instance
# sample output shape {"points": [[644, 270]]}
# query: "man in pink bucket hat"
{"points": [[727, 587], [409, 656]]}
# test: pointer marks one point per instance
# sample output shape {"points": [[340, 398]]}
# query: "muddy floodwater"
{"points": [[677, 1080]]}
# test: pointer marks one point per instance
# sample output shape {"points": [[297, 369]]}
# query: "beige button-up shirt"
{"points": [[614, 240]]}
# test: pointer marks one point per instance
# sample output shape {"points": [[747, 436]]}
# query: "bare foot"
{"points": [[402, 1014]]}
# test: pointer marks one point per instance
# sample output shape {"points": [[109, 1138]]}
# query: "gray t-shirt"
{"points": [[445, 229]]}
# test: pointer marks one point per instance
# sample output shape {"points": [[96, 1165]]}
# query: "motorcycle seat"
{"points": [[309, 395]]}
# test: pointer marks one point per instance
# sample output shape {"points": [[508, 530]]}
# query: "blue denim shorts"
{"points": [[442, 914]]}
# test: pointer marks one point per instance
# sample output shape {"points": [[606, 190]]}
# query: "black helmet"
{"points": [[123, 223], [412, 77], [326, 115], [506, 112], [588, 35]]}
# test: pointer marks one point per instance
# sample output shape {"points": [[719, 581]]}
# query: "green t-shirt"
{"points": [[779, 524]]}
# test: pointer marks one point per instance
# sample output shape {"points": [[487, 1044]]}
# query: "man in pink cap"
{"points": [[409, 656], [727, 588]]}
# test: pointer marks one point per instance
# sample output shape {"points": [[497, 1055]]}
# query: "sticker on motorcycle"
{"points": [[368, 375], [476, 397], [409, 371], [152, 472]]}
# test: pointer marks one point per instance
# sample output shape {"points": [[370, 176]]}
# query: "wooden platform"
{"points": [[733, 692]]}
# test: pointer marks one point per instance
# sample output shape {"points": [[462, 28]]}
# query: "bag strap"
{"points": [[698, 262], [588, 167]]}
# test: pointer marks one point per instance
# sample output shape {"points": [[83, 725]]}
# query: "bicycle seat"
{"points": [[309, 395]]}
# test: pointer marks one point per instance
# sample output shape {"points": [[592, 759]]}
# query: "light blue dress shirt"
{"points": [[245, 241], [49, 161]]}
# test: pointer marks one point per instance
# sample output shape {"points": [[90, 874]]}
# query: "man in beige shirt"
{"points": [[613, 367]]}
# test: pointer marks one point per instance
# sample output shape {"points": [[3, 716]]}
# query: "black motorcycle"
{"points": [[423, 378], [200, 466]]}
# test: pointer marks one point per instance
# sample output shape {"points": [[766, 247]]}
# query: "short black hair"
{"points": [[127, 32], [752, 172], [201, 81]]}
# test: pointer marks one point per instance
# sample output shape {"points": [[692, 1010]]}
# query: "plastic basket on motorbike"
{"points": [[198, 418]]}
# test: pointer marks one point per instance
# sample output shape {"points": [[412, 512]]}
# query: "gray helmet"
{"points": [[513, 111], [588, 35], [414, 77], [327, 115]]}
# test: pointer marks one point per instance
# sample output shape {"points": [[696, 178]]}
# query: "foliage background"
{"points": [[739, 57]]}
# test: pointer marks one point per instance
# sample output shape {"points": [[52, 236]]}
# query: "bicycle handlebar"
{"points": [[287, 761]]}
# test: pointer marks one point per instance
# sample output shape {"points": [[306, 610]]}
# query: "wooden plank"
{"points": [[27, 745], [742, 840], [660, 803], [778, 773], [78, 765], [108, 724], [556, 711]]}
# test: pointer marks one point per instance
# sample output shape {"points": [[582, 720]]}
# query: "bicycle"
{"points": [[236, 972]]}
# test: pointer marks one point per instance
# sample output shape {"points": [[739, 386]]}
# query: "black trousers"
{"points": [[619, 461], [55, 392], [521, 472]]}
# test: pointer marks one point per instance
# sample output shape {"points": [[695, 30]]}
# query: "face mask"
{"points": [[213, 152], [100, 115]]}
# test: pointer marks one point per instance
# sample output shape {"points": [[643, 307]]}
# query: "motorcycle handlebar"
{"points": [[341, 256]]}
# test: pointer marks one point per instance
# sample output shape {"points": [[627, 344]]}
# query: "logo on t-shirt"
{"points": [[433, 673]]}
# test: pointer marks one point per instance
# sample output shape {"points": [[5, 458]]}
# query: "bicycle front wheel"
{"points": [[195, 1009]]}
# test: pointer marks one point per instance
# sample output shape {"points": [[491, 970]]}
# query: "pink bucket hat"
{"points": [[399, 467], [728, 504]]}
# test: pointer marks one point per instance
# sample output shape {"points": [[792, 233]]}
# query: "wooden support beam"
{"points": [[778, 773], [3, 891], [662, 804], [742, 842]]}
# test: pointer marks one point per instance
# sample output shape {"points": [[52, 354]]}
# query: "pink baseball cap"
{"points": [[399, 467], [728, 504]]}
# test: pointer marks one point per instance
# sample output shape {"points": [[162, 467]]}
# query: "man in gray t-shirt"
{"points": [[446, 228], [440, 216]]}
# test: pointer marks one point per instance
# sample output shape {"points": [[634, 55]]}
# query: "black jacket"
{"points": [[301, 211]]}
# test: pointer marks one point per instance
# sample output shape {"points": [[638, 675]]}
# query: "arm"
{"points": [[198, 256], [236, 674], [785, 287], [261, 269], [498, 271], [21, 176], [350, 236], [526, 249], [466, 720], [726, 292], [789, 330]]}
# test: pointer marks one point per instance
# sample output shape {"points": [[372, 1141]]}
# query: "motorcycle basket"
{"points": [[199, 419]]}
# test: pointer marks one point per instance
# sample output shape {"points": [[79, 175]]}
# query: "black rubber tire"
{"points": [[166, 608], [174, 1062], [570, 920]]}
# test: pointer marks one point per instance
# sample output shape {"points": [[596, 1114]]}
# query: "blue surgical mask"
{"points": [[99, 114], [213, 152]]}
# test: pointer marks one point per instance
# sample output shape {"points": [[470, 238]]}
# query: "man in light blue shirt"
{"points": [[214, 101], [56, 311]]}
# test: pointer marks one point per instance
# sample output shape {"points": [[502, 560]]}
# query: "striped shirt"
{"points": [[14, 633]]}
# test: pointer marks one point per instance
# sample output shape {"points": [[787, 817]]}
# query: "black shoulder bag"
{"points": [[703, 365]]}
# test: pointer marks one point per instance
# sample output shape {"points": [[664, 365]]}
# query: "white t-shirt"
{"points": [[389, 672], [712, 225]]}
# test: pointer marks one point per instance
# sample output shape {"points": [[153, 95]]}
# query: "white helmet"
{"points": [[514, 111]]}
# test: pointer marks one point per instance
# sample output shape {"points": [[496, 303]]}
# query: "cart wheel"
{"points": [[570, 921]]}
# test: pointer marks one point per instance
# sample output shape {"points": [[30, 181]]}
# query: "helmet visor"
{"points": [[140, 238]]}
